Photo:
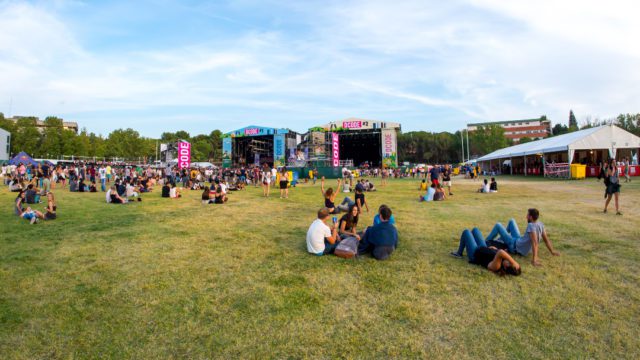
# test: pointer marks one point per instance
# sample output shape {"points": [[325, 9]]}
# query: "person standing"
{"points": [[266, 180], [627, 177], [446, 178], [284, 183], [613, 187]]}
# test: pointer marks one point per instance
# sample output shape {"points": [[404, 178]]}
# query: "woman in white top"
{"points": [[266, 180]]}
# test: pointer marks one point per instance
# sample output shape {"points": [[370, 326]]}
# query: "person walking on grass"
{"points": [[266, 180], [284, 183], [613, 186], [627, 177]]}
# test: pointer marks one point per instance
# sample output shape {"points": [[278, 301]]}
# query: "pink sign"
{"points": [[184, 155], [253, 131], [335, 140], [351, 124]]}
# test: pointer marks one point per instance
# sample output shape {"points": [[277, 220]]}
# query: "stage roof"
{"points": [[357, 124], [602, 137], [253, 130]]}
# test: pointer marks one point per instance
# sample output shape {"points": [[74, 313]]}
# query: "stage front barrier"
{"points": [[578, 171], [634, 170], [556, 170]]}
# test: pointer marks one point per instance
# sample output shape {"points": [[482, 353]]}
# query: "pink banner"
{"points": [[184, 155], [335, 140], [252, 131], [351, 124]]}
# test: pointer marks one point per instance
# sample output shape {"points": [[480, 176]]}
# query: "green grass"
{"points": [[177, 279]]}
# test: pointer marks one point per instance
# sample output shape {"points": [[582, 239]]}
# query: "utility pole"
{"points": [[468, 156], [462, 143]]}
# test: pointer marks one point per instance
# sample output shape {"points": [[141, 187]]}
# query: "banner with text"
{"points": [[389, 148], [184, 155], [335, 149], [226, 152], [279, 149]]}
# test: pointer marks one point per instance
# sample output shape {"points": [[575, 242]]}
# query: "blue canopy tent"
{"points": [[22, 158]]}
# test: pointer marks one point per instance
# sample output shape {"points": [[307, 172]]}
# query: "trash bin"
{"points": [[578, 171]]}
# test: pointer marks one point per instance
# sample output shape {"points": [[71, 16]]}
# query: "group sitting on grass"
{"points": [[510, 240], [435, 192], [380, 240], [31, 214], [488, 187]]}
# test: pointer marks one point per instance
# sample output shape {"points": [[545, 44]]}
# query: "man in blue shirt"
{"points": [[381, 239]]}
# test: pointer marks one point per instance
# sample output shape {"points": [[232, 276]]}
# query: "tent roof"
{"points": [[601, 137], [23, 158]]}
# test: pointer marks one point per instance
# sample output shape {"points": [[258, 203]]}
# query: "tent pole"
{"points": [[525, 165], [511, 165]]}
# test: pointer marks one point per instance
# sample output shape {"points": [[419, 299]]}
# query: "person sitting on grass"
{"points": [[81, 186], [376, 219], [19, 202], [115, 197], [92, 187], [361, 201], [349, 223], [381, 239], [439, 195], [529, 242], [330, 198], [50, 211], [431, 192], [15, 185], [493, 186], [423, 185], [490, 257], [31, 195], [485, 189], [166, 190], [321, 239], [220, 197], [206, 196], [174, 193]]}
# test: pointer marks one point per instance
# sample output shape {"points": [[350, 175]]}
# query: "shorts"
{"points": [[446, 183], [283, 184], [50, 216], [435, 181], [29, 215]]}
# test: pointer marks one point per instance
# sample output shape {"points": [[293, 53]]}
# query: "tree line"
{"points": [[54, 141]]}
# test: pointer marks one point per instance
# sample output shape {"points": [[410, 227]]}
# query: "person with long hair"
{"points": [[495, 260], [349, 223], [50, 210], [284, 183], [613, 186], [266, 180], [330, 198], [206, 196]]}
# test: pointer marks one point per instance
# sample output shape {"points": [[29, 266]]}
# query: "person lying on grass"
{"points": [[321, 239], [330, 198], [115, 197], [381, 239], [527, 243], [31, 215], [349, 223], [490, 257]]}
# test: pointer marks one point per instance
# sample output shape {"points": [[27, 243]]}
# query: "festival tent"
{"points": [[606, 138], [23, 158]]}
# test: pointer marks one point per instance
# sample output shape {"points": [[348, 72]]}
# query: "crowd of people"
{"points": [[344, 236]]}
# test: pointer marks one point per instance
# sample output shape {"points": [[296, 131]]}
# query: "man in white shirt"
{"points": [[274, 173], [103, 177], [321, 239]]}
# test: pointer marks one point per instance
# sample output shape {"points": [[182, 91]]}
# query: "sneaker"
{"points": [[455, 255], [605, 211], [618, 213], [33, 220], [450, 194]]}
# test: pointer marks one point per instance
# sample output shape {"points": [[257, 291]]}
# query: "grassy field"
{"points": [[176, 279]]}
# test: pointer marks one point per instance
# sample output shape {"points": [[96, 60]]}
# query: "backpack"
{"points": [[347, 248]]}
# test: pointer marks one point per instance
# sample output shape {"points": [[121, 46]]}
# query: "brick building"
{"points": [[518, 129]]}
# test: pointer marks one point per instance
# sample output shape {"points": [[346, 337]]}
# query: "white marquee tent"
{"points": [[605, 137]]}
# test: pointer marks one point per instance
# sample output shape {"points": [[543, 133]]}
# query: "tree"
{"points": [[26, 137], [487, 139], [573, 123], [559, 129]]}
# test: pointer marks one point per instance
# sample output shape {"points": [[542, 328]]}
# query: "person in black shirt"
{"points": [[493, 186], [349, 223], [360, 199], [495, 260], [446, 178]]}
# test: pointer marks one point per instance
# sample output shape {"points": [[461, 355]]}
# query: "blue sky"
{"points": [[202, 65]]}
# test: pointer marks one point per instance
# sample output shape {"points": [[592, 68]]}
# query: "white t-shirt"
{"points": [[274, 172], [172, 193], [103, 173], [485, 188], [108, 197], [316, 234]]}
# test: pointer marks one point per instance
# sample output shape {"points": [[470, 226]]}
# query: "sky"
{"points": [[162, 65]]}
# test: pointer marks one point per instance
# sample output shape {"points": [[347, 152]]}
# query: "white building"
{"points": [[5, 144]]}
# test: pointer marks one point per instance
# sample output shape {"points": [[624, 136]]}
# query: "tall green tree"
{"points": [[573, 123]]}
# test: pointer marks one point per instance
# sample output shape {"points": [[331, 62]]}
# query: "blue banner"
{"points": [[226, 152], [278, 150]]}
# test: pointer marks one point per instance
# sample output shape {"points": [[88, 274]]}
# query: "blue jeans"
{"points": [[509, 235], [329, 248], [103, 184], [471, 240]]}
